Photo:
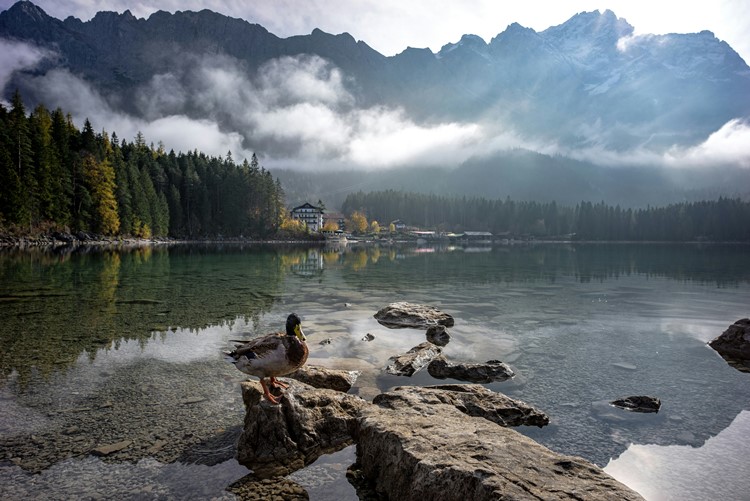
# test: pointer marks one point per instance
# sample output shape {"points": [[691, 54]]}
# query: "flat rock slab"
{"points": [[417, 316], [493, 370], [734, 344], [472, 399], [323, 377], [413, 360], [445, 454], [279, 439]]}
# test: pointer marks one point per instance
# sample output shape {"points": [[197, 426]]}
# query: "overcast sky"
{"points": [[389, 26]]}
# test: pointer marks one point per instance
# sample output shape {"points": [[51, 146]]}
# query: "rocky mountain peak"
{"points": [[591, 25]]}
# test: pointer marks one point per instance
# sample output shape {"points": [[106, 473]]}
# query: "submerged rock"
{"points": [[493, 370], [638, 403], [734, 344], [434, 450], [251, 487], [413, 360], [323, 377], [437, 334], [403, 314], [279, 439]]}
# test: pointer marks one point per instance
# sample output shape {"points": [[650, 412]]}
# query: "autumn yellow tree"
{"points": [[292, 225], [331, 225], [357, 222], [100, 179], [374, 227]]}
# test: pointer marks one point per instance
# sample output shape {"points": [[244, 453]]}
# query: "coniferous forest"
{"points": [[721, 220], [53, 176]]}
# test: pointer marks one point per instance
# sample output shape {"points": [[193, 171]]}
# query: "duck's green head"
{"points": [[294, 327]]}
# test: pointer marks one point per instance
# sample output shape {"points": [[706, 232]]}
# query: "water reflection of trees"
{"points": [[55, 306], [723, 265]]}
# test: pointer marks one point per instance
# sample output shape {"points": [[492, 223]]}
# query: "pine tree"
{"points": [[20, 176]]}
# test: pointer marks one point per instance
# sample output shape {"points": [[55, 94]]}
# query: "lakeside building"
{"points": [[310, 215]]}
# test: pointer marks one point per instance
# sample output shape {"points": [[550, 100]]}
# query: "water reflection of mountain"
{"points": [[547, 262], [56, 306]]}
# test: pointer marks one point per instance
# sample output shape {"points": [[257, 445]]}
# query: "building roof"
{"points": [[307, 205]]}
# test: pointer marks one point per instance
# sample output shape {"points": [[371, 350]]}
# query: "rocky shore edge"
{"points": [[58, 239]]}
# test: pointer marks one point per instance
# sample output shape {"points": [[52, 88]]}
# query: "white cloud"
{"points": [[16, 56], [730, 145], [297, 112]]}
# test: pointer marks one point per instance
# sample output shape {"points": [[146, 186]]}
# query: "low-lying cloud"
{"points": [[16, 56], [297, 112]]}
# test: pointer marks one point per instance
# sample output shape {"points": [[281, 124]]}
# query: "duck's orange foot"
{"points": [[278, 384], [268, 395]]}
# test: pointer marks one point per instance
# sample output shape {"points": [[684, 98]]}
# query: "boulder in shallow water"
{"points": [[279, 439], [734, 344], [413, 360], [493, 370], [403, 314], [638, 403], [433, 450]]}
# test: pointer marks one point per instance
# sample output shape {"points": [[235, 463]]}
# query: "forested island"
{"points": [[54, 177]]}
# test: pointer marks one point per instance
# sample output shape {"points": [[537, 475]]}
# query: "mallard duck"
{"points": [[272, 355]]}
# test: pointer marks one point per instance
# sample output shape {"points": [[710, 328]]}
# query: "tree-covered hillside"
{"points": [[54, 176], [718, 220]]}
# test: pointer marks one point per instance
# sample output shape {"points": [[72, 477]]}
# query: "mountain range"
{"points": [[575, 96]]}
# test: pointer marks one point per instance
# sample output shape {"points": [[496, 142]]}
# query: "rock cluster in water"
{"points": [[453, 441], [448, 441]]}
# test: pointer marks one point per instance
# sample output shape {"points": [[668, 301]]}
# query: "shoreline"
{"points": [[59, 240], [67, 240]]}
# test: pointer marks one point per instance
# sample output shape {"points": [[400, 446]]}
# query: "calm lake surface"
{"points": [[101, 347]]}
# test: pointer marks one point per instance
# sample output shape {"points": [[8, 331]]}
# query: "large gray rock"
{"points": [[279, 439], [493, 370], [437, 452], [413, 360], [323, 377], [471, 399], [734, 344], [403, 314]]}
